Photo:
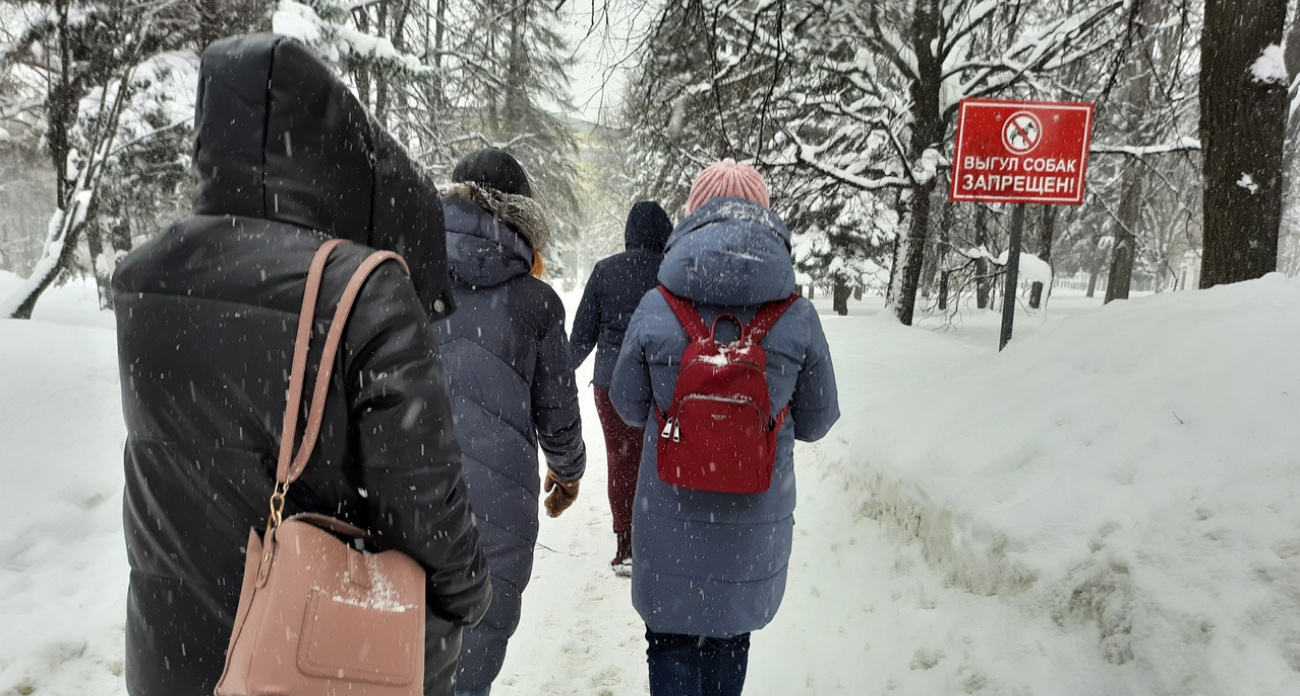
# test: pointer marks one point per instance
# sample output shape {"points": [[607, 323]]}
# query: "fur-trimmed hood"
{"points": [[491, 236], [521, 213]]}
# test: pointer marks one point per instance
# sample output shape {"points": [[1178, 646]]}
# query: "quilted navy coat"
{"points": [[714, 564], [512, 390]]}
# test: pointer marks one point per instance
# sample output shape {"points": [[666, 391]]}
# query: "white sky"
{"points": [[603, 35]]}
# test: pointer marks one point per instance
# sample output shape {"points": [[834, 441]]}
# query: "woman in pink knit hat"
{"points": [[711, 566]]}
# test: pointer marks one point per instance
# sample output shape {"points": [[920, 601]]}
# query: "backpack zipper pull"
{"points": [[668, 428], [677, 430]]}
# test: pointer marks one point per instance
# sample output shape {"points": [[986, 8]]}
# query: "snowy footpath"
{"points": [[1107, 507]]}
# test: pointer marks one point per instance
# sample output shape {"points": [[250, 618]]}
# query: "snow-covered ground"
{"points": [[1107, 507]]}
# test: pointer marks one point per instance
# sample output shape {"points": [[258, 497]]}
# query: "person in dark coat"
{"points": [[711, 567], [206, 318], [613, 291], [511, 384]]}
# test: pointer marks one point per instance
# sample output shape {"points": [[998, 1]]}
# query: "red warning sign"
{"points": [[1021, 152]]}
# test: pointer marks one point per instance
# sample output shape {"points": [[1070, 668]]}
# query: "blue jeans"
{"points": [[475, 692], [683, 665]]}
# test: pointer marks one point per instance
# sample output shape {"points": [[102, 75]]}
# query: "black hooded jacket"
{"points": [[206, 315], [616, 287]]}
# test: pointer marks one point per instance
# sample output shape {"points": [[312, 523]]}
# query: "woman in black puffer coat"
{"points": [[206, 320]]}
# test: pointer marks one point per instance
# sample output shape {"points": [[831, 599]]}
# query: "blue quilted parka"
{"points": [[512, 389], [714, 564]]}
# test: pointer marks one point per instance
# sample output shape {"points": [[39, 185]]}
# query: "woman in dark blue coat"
{"points": [[511, 385], [613, 292]]}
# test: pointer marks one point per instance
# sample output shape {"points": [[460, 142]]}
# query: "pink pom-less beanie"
{"points": [[727, 178]]}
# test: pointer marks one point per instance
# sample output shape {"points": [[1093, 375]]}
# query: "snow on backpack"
{"points": [[719, 433]]}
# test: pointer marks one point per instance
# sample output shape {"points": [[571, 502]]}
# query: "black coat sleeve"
{"points": [[586, 322], [555, 396], [409, 459]]}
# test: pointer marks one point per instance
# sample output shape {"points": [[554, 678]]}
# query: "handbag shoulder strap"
{"points": [[290, 464]]}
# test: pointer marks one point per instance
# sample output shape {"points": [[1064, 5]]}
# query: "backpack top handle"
{"points": [[755, 332]]}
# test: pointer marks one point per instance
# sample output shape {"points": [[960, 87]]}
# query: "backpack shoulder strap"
{"points": [[767, 317], [687, 315]]}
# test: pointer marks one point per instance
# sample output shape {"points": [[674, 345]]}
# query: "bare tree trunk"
{"points": [[440, 32], [1092, 282], [1046, 231], [841, 297], [929, 273], [927, 130], [930, 267], [982, 284], [913, 255], [401, 96], [944, 252], [434, 87], [1289, 251], [381, 79], [516, 68], [893, 270], [361, 73], [1243, 122], [61, 242], [1120, 280], [1137, 94], [99, 265], [62, 111]]}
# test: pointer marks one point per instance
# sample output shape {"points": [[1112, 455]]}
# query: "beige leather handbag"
{"points": [[317, 615]]}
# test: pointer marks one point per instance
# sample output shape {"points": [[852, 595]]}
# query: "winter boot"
{"points": [[622, 563]]}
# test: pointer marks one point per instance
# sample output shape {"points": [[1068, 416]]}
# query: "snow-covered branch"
{"points": [[340, 43], [1183, 145], [810, 156]]}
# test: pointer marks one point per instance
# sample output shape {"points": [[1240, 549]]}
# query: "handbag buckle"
{"points": [[277, 504]]}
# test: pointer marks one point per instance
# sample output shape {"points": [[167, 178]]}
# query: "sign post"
{"points": [[1020, 152], [1013, 274]]}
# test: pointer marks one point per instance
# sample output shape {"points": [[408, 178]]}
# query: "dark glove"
{"points": [[562, 494]]}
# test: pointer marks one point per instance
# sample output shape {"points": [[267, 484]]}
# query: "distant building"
{"points": [[1189, 271]]}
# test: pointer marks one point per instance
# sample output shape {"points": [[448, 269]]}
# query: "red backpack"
{"points": [[719, 434]]}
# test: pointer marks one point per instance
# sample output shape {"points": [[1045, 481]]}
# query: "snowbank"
{"points": [[1107, 507], [62, 559], [1133, 472]]}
